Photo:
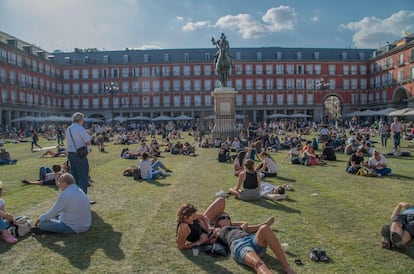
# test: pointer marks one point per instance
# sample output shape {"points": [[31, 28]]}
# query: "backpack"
{"points": [[22, 226], [137, 174]]}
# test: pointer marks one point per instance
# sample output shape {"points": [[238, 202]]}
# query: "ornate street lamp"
{"points": [[112, 88], [322, 84]]}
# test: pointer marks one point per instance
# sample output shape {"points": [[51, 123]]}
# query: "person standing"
{"points": [[77, 137], [397, 128], [71, 212], [35, 138]]}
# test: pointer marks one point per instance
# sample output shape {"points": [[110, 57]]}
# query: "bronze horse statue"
{"points": [[222, 62]]}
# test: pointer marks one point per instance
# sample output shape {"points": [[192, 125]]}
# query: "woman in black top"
{"points": [[250, 179], [247, 243], [193, 228]]}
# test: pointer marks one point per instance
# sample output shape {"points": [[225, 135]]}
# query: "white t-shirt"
{"points": [[373, 162], [146, 169]]}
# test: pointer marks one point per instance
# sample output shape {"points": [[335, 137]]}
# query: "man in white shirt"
{"points": [[397, 128], [71, 212]]}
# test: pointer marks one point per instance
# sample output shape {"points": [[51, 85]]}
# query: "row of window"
{"points": [[176, 100], [391, 61]]}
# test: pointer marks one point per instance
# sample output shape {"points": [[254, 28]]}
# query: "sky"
{"points": [[168, 24]]}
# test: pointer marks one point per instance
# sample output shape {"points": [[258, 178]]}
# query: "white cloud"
{"points": [[145, 47], [179, 18], [280, 18], [244, 24], [370, 32], [314, 18], [191, 26]]}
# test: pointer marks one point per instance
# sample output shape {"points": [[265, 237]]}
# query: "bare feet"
{"points": [[270, 221]]}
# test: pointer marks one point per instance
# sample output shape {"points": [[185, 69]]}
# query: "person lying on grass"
{"points": [[248, 243], [401, 229], [193, 228]]}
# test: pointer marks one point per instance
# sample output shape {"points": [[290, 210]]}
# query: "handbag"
{"points": [[82, 152], [215, 250], [22, 226]]}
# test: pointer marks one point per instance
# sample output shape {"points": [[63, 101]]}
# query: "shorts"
{"points": [[407, 222], [250, 194], [240, 247]]}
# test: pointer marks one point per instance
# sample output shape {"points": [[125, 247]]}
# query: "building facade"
{"points": [[322, 83]]}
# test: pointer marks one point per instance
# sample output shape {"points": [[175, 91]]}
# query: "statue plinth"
{"points": [[225, 111]]}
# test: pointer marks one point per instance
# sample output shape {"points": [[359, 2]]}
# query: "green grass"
{"points": [[134, 226]]}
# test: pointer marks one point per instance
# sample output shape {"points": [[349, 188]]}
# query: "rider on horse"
{"points": [[222, 61]]}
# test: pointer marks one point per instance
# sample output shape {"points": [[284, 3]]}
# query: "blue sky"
{"points": [[143, 24]]}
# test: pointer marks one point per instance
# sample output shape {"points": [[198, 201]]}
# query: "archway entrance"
{"points": [[332, 109], [400, 98]]}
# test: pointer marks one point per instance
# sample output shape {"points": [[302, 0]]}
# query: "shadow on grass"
{"points": [[400, 177], [207, 262], [79, 248], [284, 179], [276, 205]]}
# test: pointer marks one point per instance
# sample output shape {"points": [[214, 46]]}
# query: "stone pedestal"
{"points": [[225, 111]]}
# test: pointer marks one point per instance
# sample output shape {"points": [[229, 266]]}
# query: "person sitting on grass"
{"points": [[150, 168], [5, 157], [250, 179], [248, 243], [188, 149], [294, 154], [6, 220], [193, 228], [224, 154], [47, 176], [71, 212], [239, 162], [328, 152], [378, 163], [355, 162], [60, 151], [267, 166], [401, 229]]}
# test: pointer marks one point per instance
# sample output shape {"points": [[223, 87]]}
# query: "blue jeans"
{"points": [[383, 172], [397, 137], [240, 247], [55, 225], [79, 168], [384, 138], [155, 172], [3, 225], [43, 171]]}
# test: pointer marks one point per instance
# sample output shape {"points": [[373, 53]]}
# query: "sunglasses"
{"points": [[224, 218]]}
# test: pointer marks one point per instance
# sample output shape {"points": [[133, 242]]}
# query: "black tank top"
{"points": [[195, 231], [251, 181]]}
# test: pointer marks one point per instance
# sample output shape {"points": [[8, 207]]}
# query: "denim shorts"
{"points": [[240, 247]]}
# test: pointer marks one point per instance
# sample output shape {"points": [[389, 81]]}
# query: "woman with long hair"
{"points": [[250, 180]]}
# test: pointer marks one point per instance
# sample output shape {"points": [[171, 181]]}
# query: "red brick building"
{"points": [[324, 83]]}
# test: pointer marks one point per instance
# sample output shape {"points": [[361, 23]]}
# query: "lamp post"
{"points": [[322, 84], [112, 88]]}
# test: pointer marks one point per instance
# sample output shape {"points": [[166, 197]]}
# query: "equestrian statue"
{"points": [[222, 60]]}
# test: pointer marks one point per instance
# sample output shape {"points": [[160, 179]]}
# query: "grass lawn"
{"points": [[133, 229]]}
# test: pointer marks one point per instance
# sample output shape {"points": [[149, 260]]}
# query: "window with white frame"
{"points": [[300, 84], [145, 101], [66, 88], [207, 70], [346, 83], [299, 99], [197, 100], [269, 69], [66, 103], [279, 84], [186, 70], [309, 99], [75, 74], [249, 99], [400, 75], [166, 86], [177, 101], [300, 69], [309, 69], [187, 100], [166, 101], [401, 59], [269, 84], [95, 87], [176, 85], [331, 69], [155, 71], [85, 88], [207, 100], [239, 84], [207, 85], [95, 73], [197, 85], [187, 85], [384, 96], [354, 83], [145, 71], [85, 73], [269, 99], [176, 71], [278, 55], [66, 74], [310, 84], [75, 88], [279, 69], [156, 101], [290, 69], [280, 99], [259, 99], [145, 86], [135, 86], [412, 72], [345, 69], [197, 70], [390, 62], [290, 99], [363, 98], [249, 84], [259, 84], [249, 69], [156, 86], [354, 70], [290, 83], [259, 69], [166, 71], [318, 69], [332, 84], [125, 86], [384, 79], [239, 69], [390, 79], [363, 69]]}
